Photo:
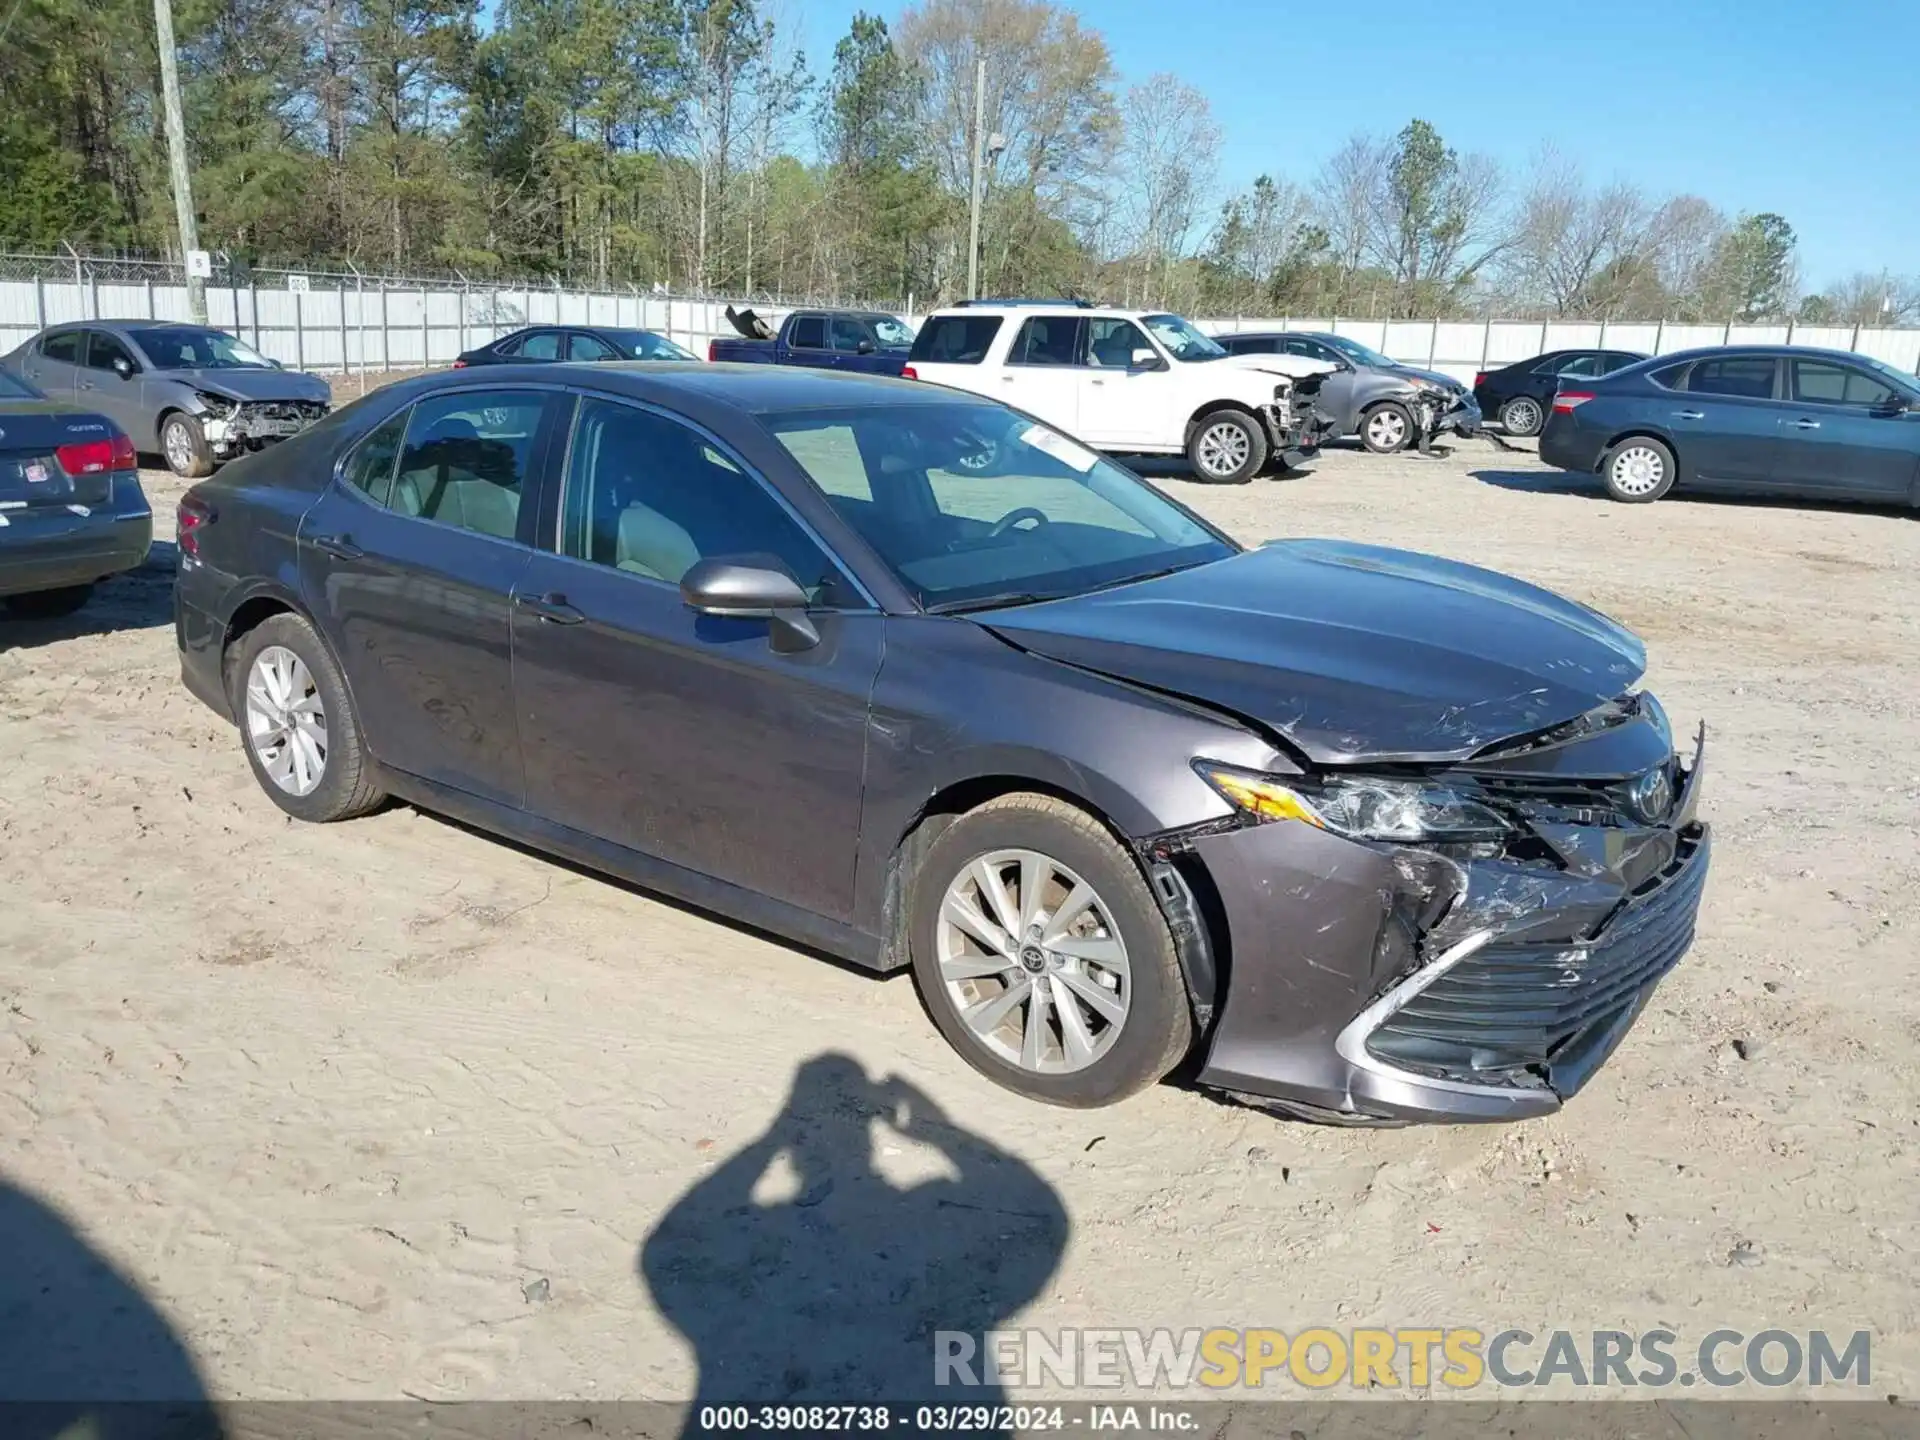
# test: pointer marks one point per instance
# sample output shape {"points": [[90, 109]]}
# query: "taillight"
{"points": [[711, 346], [1479, 379], [907, 372], [1567, 401], [459, 364], [92, 457], [189, 520]]}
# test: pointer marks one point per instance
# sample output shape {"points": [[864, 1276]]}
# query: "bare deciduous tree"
{"points": [[1166, 167]]}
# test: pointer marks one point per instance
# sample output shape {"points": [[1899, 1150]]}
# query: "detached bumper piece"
{"points": [[1527, 1015], [1436, 416]]}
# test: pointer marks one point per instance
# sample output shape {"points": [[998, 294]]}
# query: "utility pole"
{"points": [[979, 164], [177, 158]]}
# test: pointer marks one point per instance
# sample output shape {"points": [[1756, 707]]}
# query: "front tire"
{"points": [[1042, 956], [1387, 428], [183, 440], [1638, 471], [49, 604], [1227, 447], [1522, 416], [298, 725]]}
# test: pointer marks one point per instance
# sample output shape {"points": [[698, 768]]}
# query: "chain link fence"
{"points": [[357, 321]]}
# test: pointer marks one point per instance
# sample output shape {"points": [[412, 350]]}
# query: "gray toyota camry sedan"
{"points": [[911, 678]]}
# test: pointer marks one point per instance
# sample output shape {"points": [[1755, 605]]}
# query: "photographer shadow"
{"points": [[802, 1275]]}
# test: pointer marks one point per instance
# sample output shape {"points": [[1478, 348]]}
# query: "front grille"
{"points": [[285, 409], [1508, 1013]]}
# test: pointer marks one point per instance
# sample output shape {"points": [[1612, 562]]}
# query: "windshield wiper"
{"points": [[992, 602]]}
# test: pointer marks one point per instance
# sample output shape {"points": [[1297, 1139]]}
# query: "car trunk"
{"points": [[51, 459]]}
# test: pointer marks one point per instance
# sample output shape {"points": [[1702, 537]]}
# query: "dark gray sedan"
{"points": [[193, 394], [914, 679], [1388, 405]]}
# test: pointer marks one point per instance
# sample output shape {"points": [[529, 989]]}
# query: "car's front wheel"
{"points": [[1227, 447], [183, 440], [301, 734], [1521, 415], [1387, 428], [1042, 956], [49, 604], [1638, 470]]}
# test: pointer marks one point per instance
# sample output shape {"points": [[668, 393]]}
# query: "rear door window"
{"points": [[1250, 344], [809, 333], [541, 345], [955, 339], [1749, 377], [369, 468], [1047, 340], [64, 346], [466, 459]]}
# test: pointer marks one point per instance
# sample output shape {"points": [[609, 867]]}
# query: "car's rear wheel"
{"points": [[1521, 415], [297, 721], [183, 440], [1042, 956], [1386, 428], [1227, 447], [1638, 470], [49, 604]]}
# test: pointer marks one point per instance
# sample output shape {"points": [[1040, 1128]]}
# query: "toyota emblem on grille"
{"points": [[1651, 796]]}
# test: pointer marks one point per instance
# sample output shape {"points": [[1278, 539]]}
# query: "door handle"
{"points": [[1689, 414], [551, 607], [341, 547], [1804, 424]]}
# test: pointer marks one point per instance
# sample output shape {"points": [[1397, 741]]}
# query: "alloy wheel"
{"points": [[1386, 429], [286, 721], [1033, 963], [1523, 417], [1223, 449], [179, 448]]}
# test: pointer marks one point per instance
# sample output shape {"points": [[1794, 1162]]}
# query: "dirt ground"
{"points": [[395, 1109]]}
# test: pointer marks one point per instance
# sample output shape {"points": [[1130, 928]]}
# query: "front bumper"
{"points": [[1443, 414], [1296, 432], [254, 423], [1370, 982], [52, 547]]}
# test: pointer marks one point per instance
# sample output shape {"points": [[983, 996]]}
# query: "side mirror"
{"points": [[122, 367], [865, 347], [742, 590], [1145, 359]]}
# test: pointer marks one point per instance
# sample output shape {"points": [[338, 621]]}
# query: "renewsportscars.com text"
{"points": [[1412, 1358]]}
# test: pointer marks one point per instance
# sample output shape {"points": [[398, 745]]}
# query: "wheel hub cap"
{"points": [[1637, 471], [1032, 962]]}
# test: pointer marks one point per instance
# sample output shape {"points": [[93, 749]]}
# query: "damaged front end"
{"points": [[1296, 426], [1438, 411], [235, 426], [1459, 943]]}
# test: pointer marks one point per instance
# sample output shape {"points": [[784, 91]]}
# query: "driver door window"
{"points": [[848, 335], [1825, 382], [589, 347], [1111, 343], [103, 350]]}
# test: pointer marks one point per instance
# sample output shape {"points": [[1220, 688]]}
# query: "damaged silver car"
{"points": [[196, 395], [1390, 406]]}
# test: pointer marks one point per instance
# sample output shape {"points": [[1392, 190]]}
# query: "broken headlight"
{"points": [[1361, 807], [217, 405]]}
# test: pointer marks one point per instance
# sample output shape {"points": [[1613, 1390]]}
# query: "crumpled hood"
{"points": [[252, 384], [1292, 367], [1352, 652]]}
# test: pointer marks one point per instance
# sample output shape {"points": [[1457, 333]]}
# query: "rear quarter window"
{"points": [[955, 339]]}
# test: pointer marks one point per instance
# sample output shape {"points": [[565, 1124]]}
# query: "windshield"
{"points": [[184, 349], [1359, 354], [972, 505], [645, 345], [891, 334], [12, 388], [1183, 342]]}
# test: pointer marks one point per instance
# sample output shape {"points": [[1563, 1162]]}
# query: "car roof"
{"points": [[750, 389], [1025, 308]]}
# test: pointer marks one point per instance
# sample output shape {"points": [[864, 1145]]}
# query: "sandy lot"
{"points": [[394, 1109]]}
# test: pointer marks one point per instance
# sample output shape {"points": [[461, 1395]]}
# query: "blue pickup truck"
{"points": [[859, 340]]}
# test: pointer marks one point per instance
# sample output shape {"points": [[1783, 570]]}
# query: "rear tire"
{"points": [[1111, 962], [183, 440], [1227, 447], [49, 604], [1638, 470], [1387, 428], [284, 681], [1522, 415]]}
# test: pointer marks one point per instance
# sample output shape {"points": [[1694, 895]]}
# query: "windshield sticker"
{"points": [[1060, 448]]}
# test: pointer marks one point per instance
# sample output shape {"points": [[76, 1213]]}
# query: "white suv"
{"points": [[1128, 382]]}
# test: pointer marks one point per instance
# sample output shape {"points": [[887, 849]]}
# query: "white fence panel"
{"points": [[1633, 336], [1570, 335], [1689, 337]]}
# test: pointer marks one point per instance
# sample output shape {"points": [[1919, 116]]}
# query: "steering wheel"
{"points": [[1012, 518]]}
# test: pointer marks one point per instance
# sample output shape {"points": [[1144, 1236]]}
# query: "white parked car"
{"points": [[1131, 382]]}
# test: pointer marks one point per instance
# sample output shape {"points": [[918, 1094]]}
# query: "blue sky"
{"points": [[1807, 107]]}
